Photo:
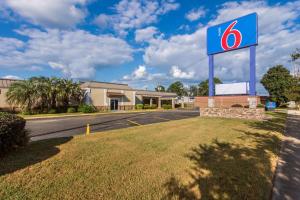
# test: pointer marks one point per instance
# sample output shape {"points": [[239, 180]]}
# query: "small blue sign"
{"points": [[232, 35], [270, 105]]}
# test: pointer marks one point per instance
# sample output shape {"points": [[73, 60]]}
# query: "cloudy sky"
{"points": [[143, 43]]}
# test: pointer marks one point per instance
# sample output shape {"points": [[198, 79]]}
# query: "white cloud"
{"points": [[146, 34], [142, 75], [195, 14], [137, 74], [12, 77], [176, 72], [76, 53], [50, 13], [130, 14], [278, 37], [9, 44]]}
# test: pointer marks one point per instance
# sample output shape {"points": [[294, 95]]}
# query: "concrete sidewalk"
{"points": [[287, 177]]}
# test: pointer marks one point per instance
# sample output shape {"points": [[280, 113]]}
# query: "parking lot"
{"points": [[68, 126]]}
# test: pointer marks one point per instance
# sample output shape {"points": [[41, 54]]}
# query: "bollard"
{"points": [[87, 129]]}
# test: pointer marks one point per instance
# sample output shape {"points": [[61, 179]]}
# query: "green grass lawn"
{"points": [[208, 158], [58, 115]]}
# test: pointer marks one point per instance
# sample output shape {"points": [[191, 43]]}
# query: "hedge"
{"points": [[12, 132], [139, 106], [71, 110], [87, 108], [167, 106]]}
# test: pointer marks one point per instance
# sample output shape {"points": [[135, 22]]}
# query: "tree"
{"points": [[295, 55], [277, 81], [203, 86], [293, 92], [40, 93], [23, 94], [160, 88], [178, 88], [193, 90]]}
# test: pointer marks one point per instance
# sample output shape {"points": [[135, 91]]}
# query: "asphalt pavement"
{"points": [[41, 129], [287, 176]]}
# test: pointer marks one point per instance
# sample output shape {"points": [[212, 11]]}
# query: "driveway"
{"points": [[69, 126], [287, 177]]}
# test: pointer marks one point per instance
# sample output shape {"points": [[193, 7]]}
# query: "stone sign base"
{"points": [[242, 113]]}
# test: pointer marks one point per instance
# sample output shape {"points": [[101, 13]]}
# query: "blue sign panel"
{"points": [[271, 105], [232, 35]]}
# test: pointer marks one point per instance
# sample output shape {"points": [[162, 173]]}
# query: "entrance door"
{"points": [[114, 104]]}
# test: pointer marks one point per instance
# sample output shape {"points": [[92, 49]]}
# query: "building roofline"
{"points": [[105, 82], [154, 91], [10, 79]]}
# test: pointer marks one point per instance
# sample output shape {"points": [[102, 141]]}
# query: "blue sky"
{"points": [[142, 43]]}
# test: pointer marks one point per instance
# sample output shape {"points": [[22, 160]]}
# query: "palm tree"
{"points": [[43, 93], [68, 92], [42, 90], [23, 94]]}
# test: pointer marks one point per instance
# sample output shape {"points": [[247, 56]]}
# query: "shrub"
{"points": [[87, 108], [237, 106], [260, 105], [26, 112], [12, 132], [139, 106], [52, 111], [146, 106], [154, 106], [71, 110], [167, 106]]}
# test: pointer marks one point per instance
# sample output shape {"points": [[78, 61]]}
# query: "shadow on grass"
{"points": [[276, 122], [223, 170], [34, 153]]}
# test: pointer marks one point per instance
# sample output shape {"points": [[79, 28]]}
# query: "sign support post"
{"points": [[211, 75], [211, 84], [252, 70]]}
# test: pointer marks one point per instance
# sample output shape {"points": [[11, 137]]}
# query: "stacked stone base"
{"points": [[241, 113]]}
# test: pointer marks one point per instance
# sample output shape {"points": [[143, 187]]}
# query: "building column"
{"points": [[159, 103], [150, 102], [173, 103]]}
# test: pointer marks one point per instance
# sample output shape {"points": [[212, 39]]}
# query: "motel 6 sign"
{"points": [[232, 35]]}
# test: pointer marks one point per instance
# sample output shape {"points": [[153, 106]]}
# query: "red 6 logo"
{"points": [[237, 37]]}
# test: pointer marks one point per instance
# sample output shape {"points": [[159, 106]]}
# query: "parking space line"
{"points": [[132, 122], [162, 118]]}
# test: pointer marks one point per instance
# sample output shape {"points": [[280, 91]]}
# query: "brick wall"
{"points": [[224, 101]]}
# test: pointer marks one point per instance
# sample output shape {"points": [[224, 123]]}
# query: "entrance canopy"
{"points": [[115, 92]]}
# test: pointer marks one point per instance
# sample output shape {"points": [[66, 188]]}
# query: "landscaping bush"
{"points": [[71, 110], [52, 111], [154, 106], [237, 106], [26, 112], [146, 106], [12, 132], [166, 106], [260, 105], [139, 106], [87, 108]]}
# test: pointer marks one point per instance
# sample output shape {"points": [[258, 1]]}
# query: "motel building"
{"points": [[108, 96], [116, 96], [4, 84]]}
